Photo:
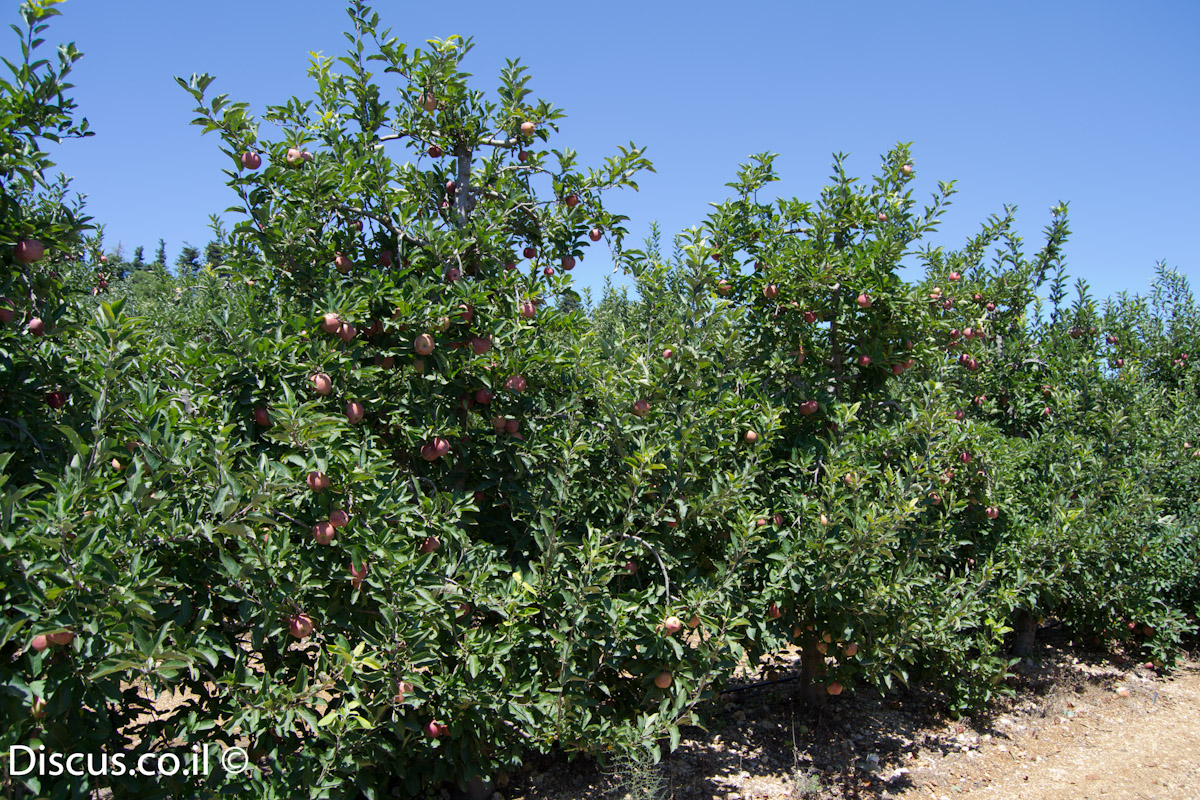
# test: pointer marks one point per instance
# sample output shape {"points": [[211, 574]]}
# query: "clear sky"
{"points": [[1025, 102]]}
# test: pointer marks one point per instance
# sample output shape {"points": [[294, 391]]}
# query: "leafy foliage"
{"points": [[374, 493]]}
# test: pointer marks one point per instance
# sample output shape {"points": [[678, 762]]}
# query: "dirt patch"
{"points": [[1137, 738], [1084, 724]]}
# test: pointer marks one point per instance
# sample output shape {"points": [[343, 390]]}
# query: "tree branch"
{"points": [[385, 222]]}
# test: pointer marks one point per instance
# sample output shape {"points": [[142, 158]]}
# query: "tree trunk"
{"points": [[812, 671], [1025, 629]]}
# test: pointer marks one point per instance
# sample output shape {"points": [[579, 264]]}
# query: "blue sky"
{"points": [[1024, 103]]}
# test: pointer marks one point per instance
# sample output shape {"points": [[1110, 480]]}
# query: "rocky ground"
{"points": [[1084, 724]]}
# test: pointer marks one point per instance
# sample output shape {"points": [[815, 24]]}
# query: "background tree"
{"points": [[188, 261]]}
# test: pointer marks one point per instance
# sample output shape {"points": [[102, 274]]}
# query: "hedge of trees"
{"points": [[385, 501]]}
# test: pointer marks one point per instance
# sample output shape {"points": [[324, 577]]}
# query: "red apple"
{"points": [[358, 573], [667, 353], [523, 156], [251, 160], [528, 309], [863, 300], [300, 626], [483, 397], [641, 408], [773, 611], [834, 688], [568, 263], [594, 234], [631, 567], [322, 384], [339, 518], [431, 544], [347, 332], [433, 729], [959, 415], [527, 128], [810, 317], [331, 323], [671, 626], [882, 216], [548, 272], [40, 642], [723, 287], [770, 291], [354, 412], [571, 200], [992, 512], [481, 344], [512, 425], [342, 263], [293, 155], [499, 424], [515, 383], [434, 151], [61, 638], [663, 679], [751, 437], [7, 310], [317, 481], [964, 457], [305, 155], [864, 361], [954, 276], [323, 532], [28, 251], [694, 622], [907, 170], [56, 399], [808, 407], [423, 344], [429, 102], [36, 327], [851, 649]]}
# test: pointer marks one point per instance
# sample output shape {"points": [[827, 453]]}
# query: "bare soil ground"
{"points": [[1084, 724]]}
